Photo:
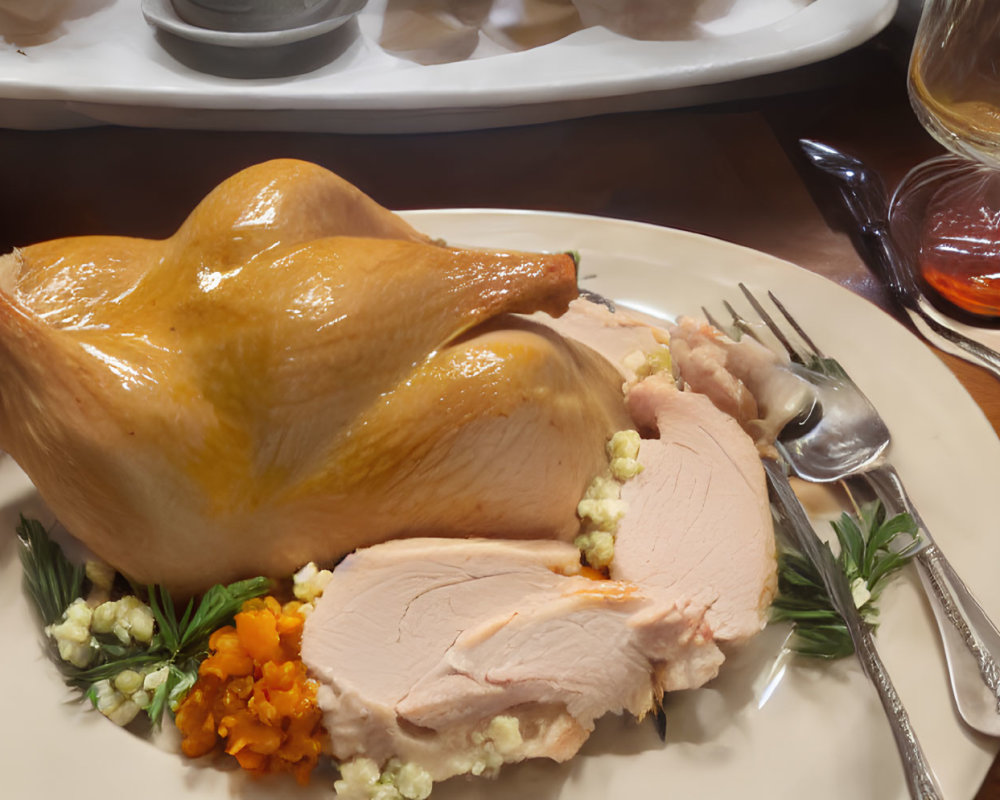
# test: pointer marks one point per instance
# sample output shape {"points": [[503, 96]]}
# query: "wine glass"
{"points": [[945, 214]]}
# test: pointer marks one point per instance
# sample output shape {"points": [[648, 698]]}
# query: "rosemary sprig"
{"points": [[51, 580], [867, 556], [179, 643]]}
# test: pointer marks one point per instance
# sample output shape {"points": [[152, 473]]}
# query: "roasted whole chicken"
{"points": [[294, 374]]}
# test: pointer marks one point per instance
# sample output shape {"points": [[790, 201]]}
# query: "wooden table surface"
{"points": [[729, 170]]}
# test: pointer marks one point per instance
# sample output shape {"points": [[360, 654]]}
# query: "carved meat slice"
{"points": [[433, 651], [747, 380], [263, 389], [624, 336], [427, 648], [698, 524]]}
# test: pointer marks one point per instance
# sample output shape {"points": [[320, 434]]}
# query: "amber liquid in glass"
{"points": [[959, 241], [964, 270], [965, 102], [955, 89]]}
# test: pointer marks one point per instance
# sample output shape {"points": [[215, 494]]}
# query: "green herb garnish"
{"points": [[178, 645], [868, 558], [51, 580]]}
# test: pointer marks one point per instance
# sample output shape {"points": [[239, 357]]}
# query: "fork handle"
{"points": [[963, 623], [919, 776]]}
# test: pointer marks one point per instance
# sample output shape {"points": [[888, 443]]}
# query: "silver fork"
{"points": [[845, 437], [920, 778]]}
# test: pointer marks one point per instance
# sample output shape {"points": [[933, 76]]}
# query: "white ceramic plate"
{"points": [[818, 731], [104, 64]]}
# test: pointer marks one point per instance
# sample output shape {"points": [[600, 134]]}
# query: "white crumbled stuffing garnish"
{"points": [[649, 362], [358, 779], [603, 488], [128, 681], [414, 782], [604, 514], [624, 444], [501, 738], [128, 619], [122, 697], [859, 592], [601, 509], [102, 577], [658, 360], [635, 361], [72, 634], [486, 760], [156, 678], [623, 452], [625, 468], [309, 582], [120, 708], [598, 548], [505, 733], [361, 779]]}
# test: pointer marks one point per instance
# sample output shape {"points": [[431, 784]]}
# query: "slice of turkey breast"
{"points": [[622, 335], [422, 644], [747, 380], [425, 647], [698, 524], [750, 382]]}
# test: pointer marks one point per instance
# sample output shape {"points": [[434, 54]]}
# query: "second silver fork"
{"points": [[858, 447]]}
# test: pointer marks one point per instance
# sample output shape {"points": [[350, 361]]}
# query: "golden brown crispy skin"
{"points": [[295, 373]]}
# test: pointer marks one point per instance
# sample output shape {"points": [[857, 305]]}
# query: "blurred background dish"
{"points": [[32, 10], [163, 14], [254, 15], [749, 49], [253, 55]]}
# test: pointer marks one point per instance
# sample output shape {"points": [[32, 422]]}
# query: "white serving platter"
{"points": [[104, 63], [765, 728]]}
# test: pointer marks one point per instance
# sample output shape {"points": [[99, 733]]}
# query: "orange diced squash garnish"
{"points": [[254, 696]]}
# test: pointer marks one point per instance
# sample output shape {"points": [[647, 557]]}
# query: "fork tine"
{"points": [[712, 320], [740, 322], [795, 325], [772, 326]]}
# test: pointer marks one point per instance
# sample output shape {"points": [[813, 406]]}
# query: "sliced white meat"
{"points": [[750, 382], [426, 647], [617, 335], [745, 379], [430, 650], [698, 524]]}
